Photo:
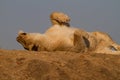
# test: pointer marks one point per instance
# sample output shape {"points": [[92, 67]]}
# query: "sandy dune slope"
{"points": [[29, 65]]}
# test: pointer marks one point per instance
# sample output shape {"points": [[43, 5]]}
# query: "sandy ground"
{"points": [[30, 65]]}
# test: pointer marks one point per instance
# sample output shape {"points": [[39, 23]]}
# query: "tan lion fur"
{"points": [[105, 42], [59, 18], [68, 37]]}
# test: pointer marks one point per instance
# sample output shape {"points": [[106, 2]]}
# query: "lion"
{"points": [[59, 18], [65, 38]]}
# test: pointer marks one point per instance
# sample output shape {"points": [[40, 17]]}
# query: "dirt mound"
{"points": [[28, 65]]}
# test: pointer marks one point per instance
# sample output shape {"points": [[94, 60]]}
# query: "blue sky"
{"points": [[33, 16]]}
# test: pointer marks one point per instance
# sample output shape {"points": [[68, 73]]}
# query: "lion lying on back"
{"points": [[62, 37]]}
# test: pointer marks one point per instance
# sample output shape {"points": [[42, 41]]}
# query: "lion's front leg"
{"points": [[30, 47]]}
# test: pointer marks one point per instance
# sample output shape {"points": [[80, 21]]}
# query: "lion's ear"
{"points": [[22, 32]]}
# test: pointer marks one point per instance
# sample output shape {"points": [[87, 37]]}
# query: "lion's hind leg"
{"points": [[80, 41]]}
